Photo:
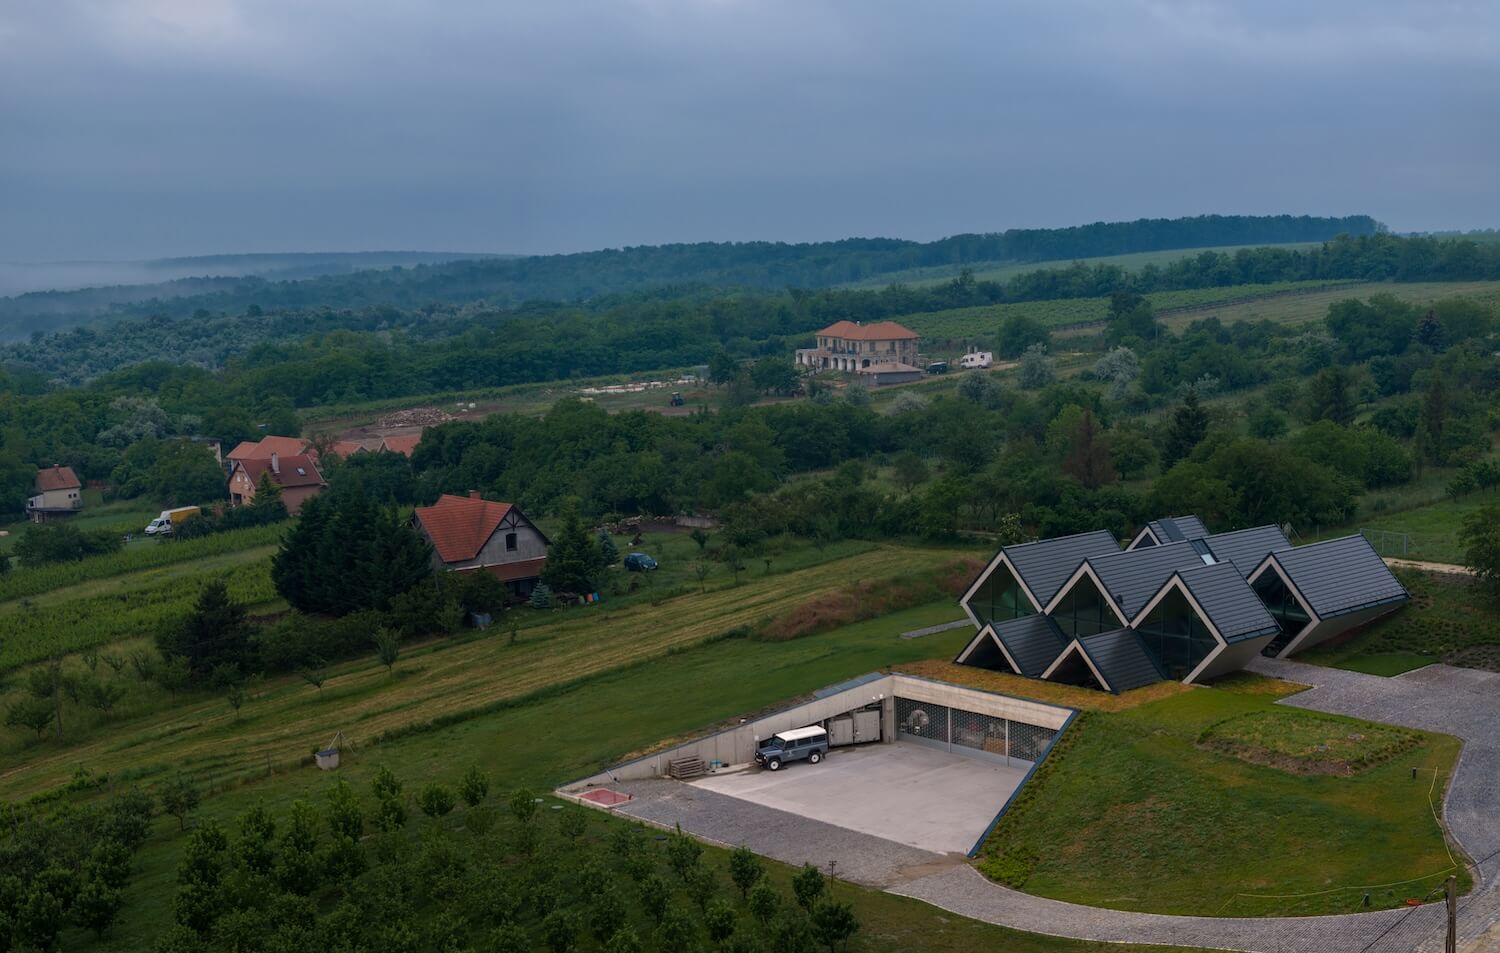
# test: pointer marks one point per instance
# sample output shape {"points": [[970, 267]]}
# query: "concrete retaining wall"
{"points": [[737, 745]]}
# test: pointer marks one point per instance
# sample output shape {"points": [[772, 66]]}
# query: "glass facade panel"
{"points": [[1175, 634], [1280, 602], [983, 732], [922, 719], [1000, 598], [1083, 611]]}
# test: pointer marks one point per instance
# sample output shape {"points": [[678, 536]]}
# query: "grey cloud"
{"points": [[138, 128]]}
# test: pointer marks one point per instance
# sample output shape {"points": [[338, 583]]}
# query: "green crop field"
{"points": [[983, 321], [1000, 271], [1311, 306]]}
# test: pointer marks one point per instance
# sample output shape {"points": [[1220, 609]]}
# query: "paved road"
{"points": [[1437, 698]]}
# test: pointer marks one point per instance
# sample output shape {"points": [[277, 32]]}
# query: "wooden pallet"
{"points": [[685, 769]]}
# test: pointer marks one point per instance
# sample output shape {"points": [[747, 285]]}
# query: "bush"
{"points": [[474, 786], [435, 800]]}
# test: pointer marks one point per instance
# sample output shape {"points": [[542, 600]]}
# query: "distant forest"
{"points": [[324, 356], [509, 282]]}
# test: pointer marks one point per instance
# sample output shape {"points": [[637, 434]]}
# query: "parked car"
{"points": [[163, 524], [799, 743], [976, 360], [639, 562], [937, 367]]}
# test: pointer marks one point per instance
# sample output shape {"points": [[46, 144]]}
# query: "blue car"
{"points": [[639, 562]]}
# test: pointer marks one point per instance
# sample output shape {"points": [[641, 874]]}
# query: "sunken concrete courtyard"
{"points": [[908, 793]]}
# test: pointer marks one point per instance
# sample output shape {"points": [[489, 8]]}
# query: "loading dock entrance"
{"points": [[960, 731]]}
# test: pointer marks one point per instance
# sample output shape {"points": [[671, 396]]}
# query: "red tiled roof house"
{"points": [[881, 348], [263, 448], [404, 444], [469, 533], [297, 475], [59, 492]]}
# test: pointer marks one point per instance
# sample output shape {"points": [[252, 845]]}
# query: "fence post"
{"points": [[1452, 902]]}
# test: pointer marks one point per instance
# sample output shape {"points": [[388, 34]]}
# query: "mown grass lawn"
{"points": [[1139, 814]]}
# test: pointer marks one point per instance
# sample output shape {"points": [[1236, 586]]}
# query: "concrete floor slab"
{"points": [[908, 793]]}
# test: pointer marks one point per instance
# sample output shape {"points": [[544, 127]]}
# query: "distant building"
{"points": [[469, 533], [885, 350], [404, 444], [297, 475], [59, 492], [1178, 603], [263, 448]]}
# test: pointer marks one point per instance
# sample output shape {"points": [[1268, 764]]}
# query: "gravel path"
{"points": [[1455, 701]]}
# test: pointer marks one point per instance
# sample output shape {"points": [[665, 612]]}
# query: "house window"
{"points": [[1000, 598], [1281, 603], [1083, 610], [1176, 635], [510, 542]]}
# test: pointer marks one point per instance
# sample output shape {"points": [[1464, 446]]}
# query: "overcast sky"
{"points": [[139, 128]]}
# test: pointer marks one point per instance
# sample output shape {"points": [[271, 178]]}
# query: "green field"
{"points": [[1427, 532], [1140, 814], [118, 516], [982, 322], [1306, 308], [1000, 271]]}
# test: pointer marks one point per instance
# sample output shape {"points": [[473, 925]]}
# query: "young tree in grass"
{"points": [[385, 784], [387, 646], [808, 886], [474, 786], [719, 920], [656, 896], [1037, 369], [833, 924], [678, 932], [345, 816], [792, 933], [607, 913], [683, 853], [764, 901], [733, 560], [96, 906], [30, 712], [523, 805], [702, 885], [314, 674], [179, 798], [745, 869], [909, 471], [701, 570], [296, 867], [560, 931], [253, 847], [200, 878], [435, 800], [572, 821], [700, 537]]}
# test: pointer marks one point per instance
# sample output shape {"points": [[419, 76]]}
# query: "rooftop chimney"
{"points": [[473, 494], [275, 463]]}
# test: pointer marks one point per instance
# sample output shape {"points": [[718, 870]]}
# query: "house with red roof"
{"points": [[469, 533], [59, 492], [404, 444], [884, 351], [263, 448], [297, 475]]}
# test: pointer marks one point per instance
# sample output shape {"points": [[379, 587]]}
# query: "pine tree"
{"points": [[347, 553], [1185, 430], [607, 548], [574, 559], [213, 634], [541, 597], [267, 491], [1088, 460]]}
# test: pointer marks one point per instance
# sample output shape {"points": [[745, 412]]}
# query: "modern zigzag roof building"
{"points": [[1176, 603]]}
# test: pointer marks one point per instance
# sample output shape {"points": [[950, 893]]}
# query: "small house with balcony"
{"points": [[58, 493]]}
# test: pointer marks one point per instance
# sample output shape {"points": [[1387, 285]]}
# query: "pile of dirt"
{"points": [[416, 417]]}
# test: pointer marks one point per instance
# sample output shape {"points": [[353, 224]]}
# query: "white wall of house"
{"points": [[515, 530]]}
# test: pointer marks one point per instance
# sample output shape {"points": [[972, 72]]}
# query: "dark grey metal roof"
{"points": [[1122, 659], [1343, 575], [1134, 576], [1229, 602], [1045, 565], [1034, 641], [1175, 529], [1247, 548]]}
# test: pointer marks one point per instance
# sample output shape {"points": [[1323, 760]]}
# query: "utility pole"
{"points": [[1452, 901]]}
